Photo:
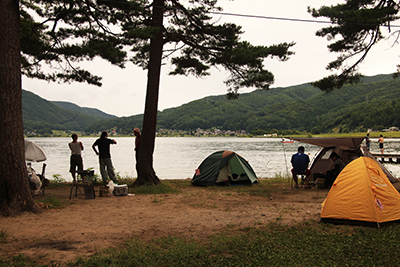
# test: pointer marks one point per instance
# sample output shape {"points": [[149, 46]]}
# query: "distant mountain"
{"points": [[374, 103], [89, 111], [42, 116]]}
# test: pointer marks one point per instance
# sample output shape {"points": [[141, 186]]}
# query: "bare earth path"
{"points": [[84, 226]]}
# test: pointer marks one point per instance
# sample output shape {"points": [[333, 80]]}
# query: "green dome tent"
{"points": [[223, 167]]}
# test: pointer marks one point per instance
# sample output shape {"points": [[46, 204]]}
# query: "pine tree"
{"points": [[357, 27]]}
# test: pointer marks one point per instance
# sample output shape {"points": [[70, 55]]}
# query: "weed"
{"points": [[58, 179], [51, 202], [158, 200], [3, 236]]}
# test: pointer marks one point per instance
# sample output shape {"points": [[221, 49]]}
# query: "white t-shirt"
{"points": [[75, 148]]}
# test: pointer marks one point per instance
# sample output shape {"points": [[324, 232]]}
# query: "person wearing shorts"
{"points": [[76, 161], [381, 143]]}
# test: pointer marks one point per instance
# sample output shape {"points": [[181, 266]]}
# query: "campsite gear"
{"points": [[85, 178], [284, 156], [347, 149], [361, 194], [103, 191], [120, 190], [34, 152], [34, 181], [320, 183], [89, 192], [224, 167]]}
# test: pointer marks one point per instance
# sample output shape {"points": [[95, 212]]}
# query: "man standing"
{"points": [[76, 156], [300, 163], [381, 143], [368, 141], [104, 154]]}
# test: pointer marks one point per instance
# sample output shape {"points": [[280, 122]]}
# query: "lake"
{"points": [[178, 157]]}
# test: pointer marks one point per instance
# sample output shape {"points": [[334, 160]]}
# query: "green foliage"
{"points": [[58, 179], [304, 244], [356, 29], [51, 202], [19, 260], [62, 33], [55, 116], [303, 108]]}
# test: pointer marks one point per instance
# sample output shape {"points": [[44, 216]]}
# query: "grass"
{"points": [[3, 236], [309, 243], [162, 188], [50, 202]]}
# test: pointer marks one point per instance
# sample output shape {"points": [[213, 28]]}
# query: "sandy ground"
{"points": [[84, 226]]}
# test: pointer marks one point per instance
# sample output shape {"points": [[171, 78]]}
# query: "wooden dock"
{"points": [[387, 158]]}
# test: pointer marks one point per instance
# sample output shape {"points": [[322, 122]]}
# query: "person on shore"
{"points": [[300, 163], [380, 141], [103, 143], [136, 132], [368, 141], [76, 161]]}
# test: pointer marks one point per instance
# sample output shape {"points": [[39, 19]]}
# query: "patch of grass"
{"points": [[19, 261], [3, 236], [50, 202], [58, 182], [158, 200], [163, 188], [273, 245]]}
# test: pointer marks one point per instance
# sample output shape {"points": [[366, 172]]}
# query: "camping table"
{"points": [[88, 189]]}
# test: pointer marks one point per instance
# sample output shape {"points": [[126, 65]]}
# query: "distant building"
{"points": [[391, 129]]}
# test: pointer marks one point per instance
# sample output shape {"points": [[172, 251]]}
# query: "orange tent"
{"points": [[361, 194]]}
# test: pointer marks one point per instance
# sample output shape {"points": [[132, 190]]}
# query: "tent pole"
{"points": [[287, 170]]}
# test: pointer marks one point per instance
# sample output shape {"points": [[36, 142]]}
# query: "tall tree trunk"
{"points": [[15, 195], [144, 159]]}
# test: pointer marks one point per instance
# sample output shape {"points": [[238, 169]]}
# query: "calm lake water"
{"points": [[178, 157]]}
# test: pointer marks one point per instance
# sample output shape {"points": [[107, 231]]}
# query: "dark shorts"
{"points": [[306, 173], [76, 161], [381, 145]]}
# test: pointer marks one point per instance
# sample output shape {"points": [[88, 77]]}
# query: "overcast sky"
{"points": [[123, 90]]}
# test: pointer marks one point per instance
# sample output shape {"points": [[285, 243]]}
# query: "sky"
{"points": [[124, 90]]}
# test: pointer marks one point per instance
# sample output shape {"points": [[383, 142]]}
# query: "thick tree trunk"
{"points": [[15, 195], [144, 159]]}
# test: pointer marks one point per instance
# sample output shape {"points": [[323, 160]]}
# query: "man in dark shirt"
{"points": [[300, 163], [103, 143]]}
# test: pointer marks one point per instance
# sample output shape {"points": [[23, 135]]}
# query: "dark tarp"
{"points": [[348, 148]]}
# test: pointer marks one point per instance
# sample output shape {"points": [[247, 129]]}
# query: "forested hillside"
{"points": [[91, 111], [373, 104], [42, 116]]}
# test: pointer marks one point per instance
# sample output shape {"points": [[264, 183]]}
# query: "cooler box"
{"points": [[120, 190]]}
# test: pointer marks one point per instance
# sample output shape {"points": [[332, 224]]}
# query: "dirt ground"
{"points": [[84, 226]]}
